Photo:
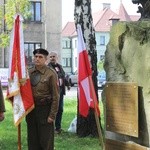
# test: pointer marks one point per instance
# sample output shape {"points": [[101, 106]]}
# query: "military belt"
{"points": [[43, 101]]}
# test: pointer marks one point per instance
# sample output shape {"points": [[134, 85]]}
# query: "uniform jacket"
{"points": [[2, 106], [44, 84]]}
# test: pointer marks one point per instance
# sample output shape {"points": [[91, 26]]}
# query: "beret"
{"points": [[40, 51]]}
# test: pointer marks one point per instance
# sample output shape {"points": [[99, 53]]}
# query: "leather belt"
{"points": [[43, 101]]}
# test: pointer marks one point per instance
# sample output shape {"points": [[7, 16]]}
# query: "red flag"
{"points": [[19, 87], [86, 91]]}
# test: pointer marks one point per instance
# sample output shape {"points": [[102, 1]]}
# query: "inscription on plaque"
{"points": [[122, 108], [117, 145]]}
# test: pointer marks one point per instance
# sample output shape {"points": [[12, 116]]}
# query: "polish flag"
{"points": [[19, 88], [86, 91]]}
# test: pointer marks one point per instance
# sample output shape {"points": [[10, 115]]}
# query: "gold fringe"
{"points": [[12, 94], [28, 111]]}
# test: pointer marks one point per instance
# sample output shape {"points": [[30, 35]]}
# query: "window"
{"points": [[76, 62], [66, 62], [36, 11], [66, 44], [102, 57], [102, 40], [29, 48]]}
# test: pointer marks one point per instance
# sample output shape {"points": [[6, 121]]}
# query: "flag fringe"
{"points": [[23, 81], [13, 94], [26, 112]]}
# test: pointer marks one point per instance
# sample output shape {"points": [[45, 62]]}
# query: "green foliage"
{"points": [[63, 141], [100, 65], [4, 39], [12, 7], [16, 6]]}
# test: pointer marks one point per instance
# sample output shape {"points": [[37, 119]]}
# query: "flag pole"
{"points": [[19, 136], [96, 115], [99, 131]]}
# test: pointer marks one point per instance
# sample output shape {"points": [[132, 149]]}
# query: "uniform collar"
{"points": [[41, 70]]}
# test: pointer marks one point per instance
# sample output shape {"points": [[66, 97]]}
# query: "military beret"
{"points": [[40, 51]]}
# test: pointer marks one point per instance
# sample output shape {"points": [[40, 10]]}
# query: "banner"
{"points": [[87, 96], [19, 87]]}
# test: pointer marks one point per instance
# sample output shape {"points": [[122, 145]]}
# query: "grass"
{"points": [[63, 141]]}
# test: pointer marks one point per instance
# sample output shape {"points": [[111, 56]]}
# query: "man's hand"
{"points": [[50, 120], [68, 88], [2, 116]]}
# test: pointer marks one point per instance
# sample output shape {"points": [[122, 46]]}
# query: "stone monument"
{"points": [[144, 9], [127, 59]]}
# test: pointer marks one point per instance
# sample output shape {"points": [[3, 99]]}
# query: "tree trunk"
{"points": [[87, 126]]}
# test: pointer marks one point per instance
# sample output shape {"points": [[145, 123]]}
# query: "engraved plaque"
{"points": [[117, 145], [122, 108]]}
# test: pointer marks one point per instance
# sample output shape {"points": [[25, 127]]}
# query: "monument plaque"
{"points": [[117, 145], [122, 108]]}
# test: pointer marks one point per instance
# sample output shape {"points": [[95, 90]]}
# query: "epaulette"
{"points": [[30, 68], [52, 69]]}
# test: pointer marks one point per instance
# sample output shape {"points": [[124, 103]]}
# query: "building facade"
{"points": [[42, 30], [102, 22]]}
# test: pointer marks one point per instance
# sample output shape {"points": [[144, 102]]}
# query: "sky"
{"points": [[96, 5]]}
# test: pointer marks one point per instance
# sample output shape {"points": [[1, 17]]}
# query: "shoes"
{"points": [[58, 131]]}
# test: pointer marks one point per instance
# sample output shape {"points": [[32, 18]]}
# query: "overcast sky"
{"points": [[68, 8]]}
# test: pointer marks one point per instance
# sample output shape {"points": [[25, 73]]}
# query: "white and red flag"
{"points": [[86, 92], [19, 87]]}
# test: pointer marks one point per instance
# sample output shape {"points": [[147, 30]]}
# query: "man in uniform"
{"points": [[2, 106], [40, 121], [63, 83]]}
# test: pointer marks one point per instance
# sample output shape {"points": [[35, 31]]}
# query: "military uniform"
{"points": [[45, 94], [2, 106]]}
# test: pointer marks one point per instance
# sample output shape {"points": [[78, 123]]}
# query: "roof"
{"points": [[134, 17], [102, 20], [123, 15], [69, 29]]}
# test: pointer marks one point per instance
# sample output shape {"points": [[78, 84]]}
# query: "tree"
{"points": [[7, 12], [82, 13]]}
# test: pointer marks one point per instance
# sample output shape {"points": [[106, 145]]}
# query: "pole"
{"points": [[96, 114], [19, 136], [99, 131]]}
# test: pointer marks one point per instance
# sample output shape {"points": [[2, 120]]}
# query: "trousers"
{"points": [[60, 111], [40, 133]]}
